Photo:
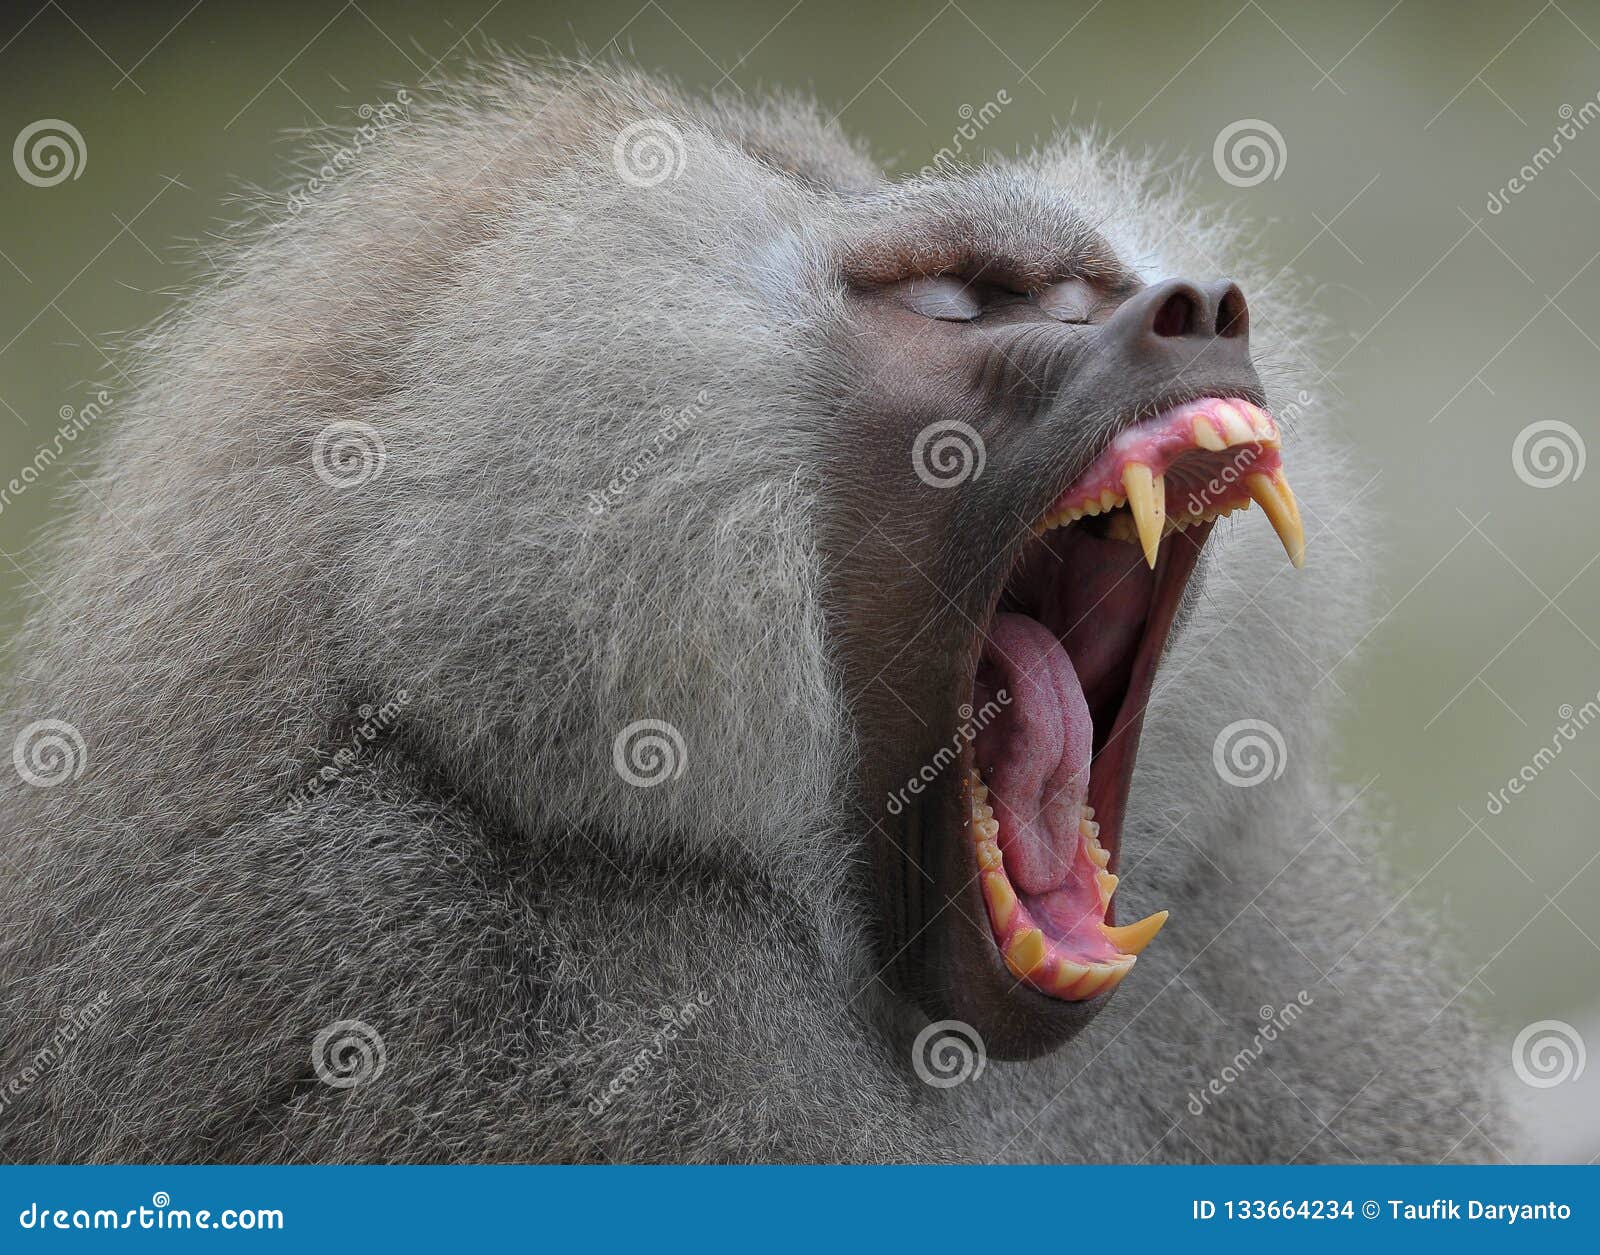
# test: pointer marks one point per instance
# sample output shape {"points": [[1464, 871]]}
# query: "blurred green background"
{"points": [[1455, 328]]}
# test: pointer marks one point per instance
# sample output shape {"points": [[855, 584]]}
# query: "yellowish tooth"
{"points": [[1002, 900], [1108, 499], [1287, 494], [1234, 426], [988, 829], [1102, 978], [980, 791], [1098, 854], [1133, 938], [1147, 503], [1068, 975], [1205, 435], [989, 857], [1026, 951], [1098, 978], [1088, 827], [1088, 812], [1281, 514], [1107, 884]]}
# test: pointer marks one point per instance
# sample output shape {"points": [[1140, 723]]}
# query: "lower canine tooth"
{"points": [[1132, 938]]}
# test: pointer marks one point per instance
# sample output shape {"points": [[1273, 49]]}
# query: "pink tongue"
{"points": [[1034, 756]]}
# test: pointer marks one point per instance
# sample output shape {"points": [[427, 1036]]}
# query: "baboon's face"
{"points": [[1009, 588]]}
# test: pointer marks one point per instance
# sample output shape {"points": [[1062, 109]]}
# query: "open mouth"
{"points": [[1065, 670]]}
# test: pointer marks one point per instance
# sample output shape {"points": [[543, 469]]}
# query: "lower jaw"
{"points": [[1062, 943]]}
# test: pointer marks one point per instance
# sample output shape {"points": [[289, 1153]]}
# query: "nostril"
{"points": [[1177, 316], [1233, 315]]}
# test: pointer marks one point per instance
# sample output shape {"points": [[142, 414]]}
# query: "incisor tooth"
{"points": [[1205, 435], [1234, 426], [1132, 938], [1280, 512], [1147, 498]]}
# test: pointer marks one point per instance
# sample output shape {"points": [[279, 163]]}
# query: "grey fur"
{"points": [[478, 884]]}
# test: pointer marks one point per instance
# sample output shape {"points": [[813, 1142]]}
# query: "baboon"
{"points": [[613, 630]]}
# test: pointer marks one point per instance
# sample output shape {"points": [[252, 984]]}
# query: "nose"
{"points": [[1178, 321]]}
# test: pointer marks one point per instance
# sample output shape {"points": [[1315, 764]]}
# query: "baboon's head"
{"points": [[1040, 440], [869, 505]]}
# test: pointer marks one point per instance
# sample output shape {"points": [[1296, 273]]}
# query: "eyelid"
{"points": [[944, 297], [1071, 300]]}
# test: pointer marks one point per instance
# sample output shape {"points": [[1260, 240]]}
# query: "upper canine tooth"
{"points": [[1281, 512], [1133, 938], [1147, 501]]}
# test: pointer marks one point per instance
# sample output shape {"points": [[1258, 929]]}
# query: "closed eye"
{"points": [[951, 298]]}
